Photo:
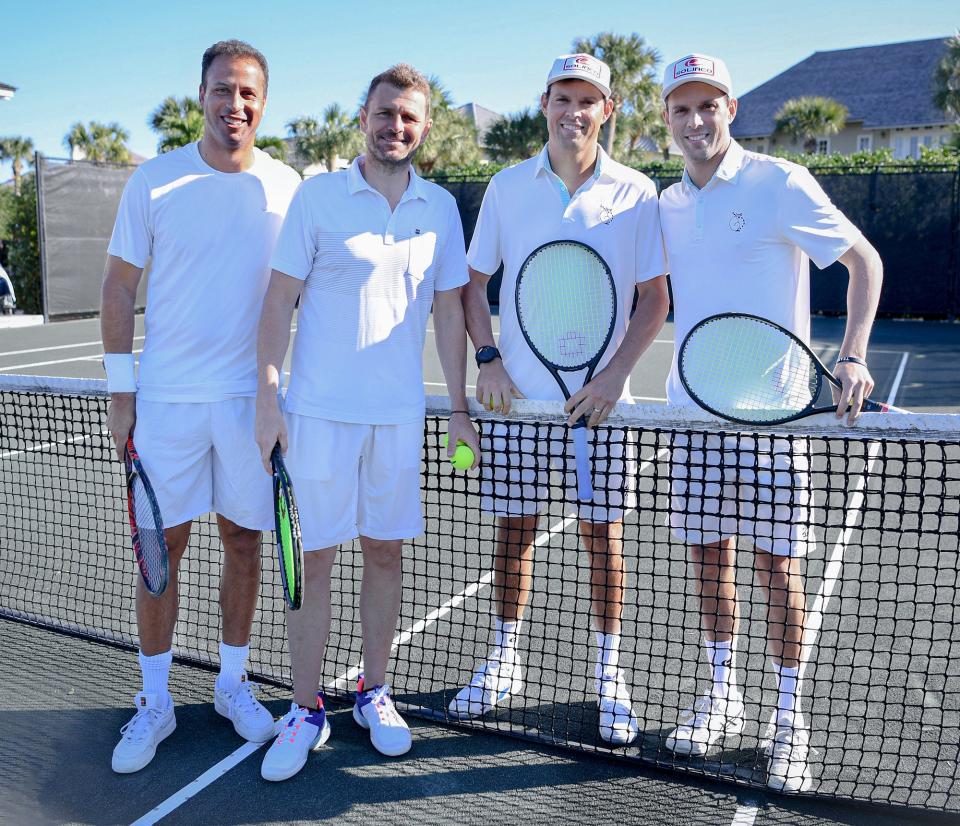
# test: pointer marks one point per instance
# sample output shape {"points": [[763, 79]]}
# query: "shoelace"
{"points": [[245, 697], [290, 724], [383, 703], [138, 728]]}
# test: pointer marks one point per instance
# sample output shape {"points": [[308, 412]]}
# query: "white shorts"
{"points": [[202, 457], [518, 459], [354, 480], [757, 488]]}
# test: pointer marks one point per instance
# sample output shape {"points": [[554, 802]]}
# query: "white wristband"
{"points": [[121, 376]]}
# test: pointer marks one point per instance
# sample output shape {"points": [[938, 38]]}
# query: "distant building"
{"points": [[6, 91], [481, 118], [887, 89]]}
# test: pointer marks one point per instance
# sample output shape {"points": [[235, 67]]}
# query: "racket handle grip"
{"points": [[581, 455], [870, 406]]}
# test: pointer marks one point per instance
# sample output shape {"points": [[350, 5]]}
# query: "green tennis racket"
{"points": [[289, 546]]}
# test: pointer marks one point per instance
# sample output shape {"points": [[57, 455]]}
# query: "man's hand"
{"points": [[495, 389], [857, 385], [269, 429], [121, 417], [460, 428], [596, 399]]}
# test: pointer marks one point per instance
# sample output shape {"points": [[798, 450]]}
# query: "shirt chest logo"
{"points": [[737, 221], [606, 215]]}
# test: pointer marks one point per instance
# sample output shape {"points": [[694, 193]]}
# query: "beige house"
{"points": [[887, 89]]}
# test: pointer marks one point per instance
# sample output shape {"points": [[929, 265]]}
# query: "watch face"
{"points": [[487, 354]]}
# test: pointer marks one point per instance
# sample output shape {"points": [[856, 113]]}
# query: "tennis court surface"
{"points": [[882, 688]]}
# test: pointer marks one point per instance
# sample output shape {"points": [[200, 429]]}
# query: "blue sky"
{"points": [[113, 61]]}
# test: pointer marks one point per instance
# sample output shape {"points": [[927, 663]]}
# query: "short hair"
{"points": [[403, 76], [546, 91], [233, 48]]}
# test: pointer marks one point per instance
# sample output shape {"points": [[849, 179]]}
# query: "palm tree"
{"points": [[335, 135], [806, 118], [16, 150], [178, 122], [947, 79], [453, 140], [637, 125], [100, 142], [633, 82], [274, 146], [517, 137]]}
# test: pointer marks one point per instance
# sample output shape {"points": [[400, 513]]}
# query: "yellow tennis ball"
{"points": [[462, 456]]}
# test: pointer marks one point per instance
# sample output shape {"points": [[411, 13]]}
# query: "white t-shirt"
{"points": [[210, 235], [527, 205], [369, 275], [744, 242]]}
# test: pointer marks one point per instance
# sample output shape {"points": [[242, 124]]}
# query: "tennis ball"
{"points": [[462, 457]]}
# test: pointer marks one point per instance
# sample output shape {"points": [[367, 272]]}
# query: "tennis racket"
{"points": [[289, 546], [749, 370], [566, 305], [146, 525]]}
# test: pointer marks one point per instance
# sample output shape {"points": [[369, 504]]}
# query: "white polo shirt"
{"points": [[744, 242], [369, 275], [527, 205], [209, 235]]}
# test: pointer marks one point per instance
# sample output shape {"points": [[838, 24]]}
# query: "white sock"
{"points": [[233, 662], [156, 674], [788, 691], [608, 655], [722, 669], [505, 635]]}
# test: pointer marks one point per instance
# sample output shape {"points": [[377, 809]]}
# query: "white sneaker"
{"points": [[496, 679], [618, 723], [375, 711], [788, 770], [250, 719], [302, 730], [708, 721], [141, 736]]}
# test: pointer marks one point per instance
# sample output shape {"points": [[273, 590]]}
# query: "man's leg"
{"points": [[156, 620], [500, 675], [380, 595], [720, 712], [305, 728]]}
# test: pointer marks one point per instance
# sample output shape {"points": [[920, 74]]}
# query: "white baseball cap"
{"points": [[581, 67], [696, 67]]}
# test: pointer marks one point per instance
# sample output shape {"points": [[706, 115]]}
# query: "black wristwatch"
{"points": [[487, 354]]}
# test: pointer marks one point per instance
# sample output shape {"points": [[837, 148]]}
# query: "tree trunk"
{"points": [[17, 175], [611, 134]]}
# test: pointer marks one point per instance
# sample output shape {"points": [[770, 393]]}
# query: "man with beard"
{"points": [[207, 215], [366, 250]]}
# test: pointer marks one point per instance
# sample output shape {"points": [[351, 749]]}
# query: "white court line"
{"points": [[43, 446], [94, 357], [57, 347], [212, 774], [745, 815]]}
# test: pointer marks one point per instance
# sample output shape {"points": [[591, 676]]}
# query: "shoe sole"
{"points": [[362, 722], [252, 737], [130, 768], [276, 778], [698, 749], [515, 688]]}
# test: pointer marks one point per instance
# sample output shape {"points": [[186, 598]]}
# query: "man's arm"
{"points": [[863, 294], [118, 297], [597, 398], [448, 323], [273, 338], [495, 389]]}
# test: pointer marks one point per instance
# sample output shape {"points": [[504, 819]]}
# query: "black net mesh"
{"points": [[881, 691]]}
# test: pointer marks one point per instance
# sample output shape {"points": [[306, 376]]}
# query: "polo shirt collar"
{"points": [[357, 183], [543, 163], [728, 170]]}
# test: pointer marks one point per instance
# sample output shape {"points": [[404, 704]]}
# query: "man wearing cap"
{"points": [[570, 191], [739, 230]]}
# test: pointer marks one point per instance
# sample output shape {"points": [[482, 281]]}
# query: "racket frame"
{"points": [[285, 503], [134, 470], [820, 369], [584, 484]]}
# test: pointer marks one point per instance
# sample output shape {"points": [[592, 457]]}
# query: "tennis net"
{"points": [[881, 687]]}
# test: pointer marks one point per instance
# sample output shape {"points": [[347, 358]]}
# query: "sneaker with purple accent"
{"points": [[302, 730], [375, 711]]}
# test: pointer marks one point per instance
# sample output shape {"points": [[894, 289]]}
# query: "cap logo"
{"points": [[581, 63], [693, 66]]}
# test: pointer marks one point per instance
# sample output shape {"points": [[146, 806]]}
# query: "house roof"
{"points": [[882, 86], [482, 118]]}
